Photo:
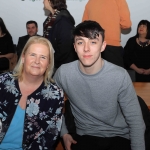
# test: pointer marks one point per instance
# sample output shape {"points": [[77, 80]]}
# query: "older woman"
{"points": [[137, 52], [58, 29], [31, 104], [6, 47]]}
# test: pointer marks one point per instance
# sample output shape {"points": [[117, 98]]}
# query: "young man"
{"points": [[32, 29], [103, 101]]}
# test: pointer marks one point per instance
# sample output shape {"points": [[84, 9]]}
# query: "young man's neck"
{"points": [[92, 69]]}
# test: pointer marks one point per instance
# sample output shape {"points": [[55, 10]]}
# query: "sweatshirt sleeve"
{"points": [[125, 21], [132, 112], [63, 127]]}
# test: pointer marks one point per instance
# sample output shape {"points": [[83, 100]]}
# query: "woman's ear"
{"points": [[22, 59]]}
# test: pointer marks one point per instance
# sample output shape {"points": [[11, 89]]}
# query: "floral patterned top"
{"points": [[43, 116]]}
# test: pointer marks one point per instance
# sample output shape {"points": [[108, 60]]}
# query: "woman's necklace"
{"points": [[143, 44]]}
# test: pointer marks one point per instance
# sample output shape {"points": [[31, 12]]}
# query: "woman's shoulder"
{"points": [[5, 76], [52, 91], [8, 35], [53, 86], [65, 15], [133, 39]]}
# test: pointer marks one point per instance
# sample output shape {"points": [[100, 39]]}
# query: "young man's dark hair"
{"points": [[31, 21], [89, 29]]}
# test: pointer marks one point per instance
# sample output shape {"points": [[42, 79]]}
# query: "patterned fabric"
{"points": [[43, 115], [49, 22]]}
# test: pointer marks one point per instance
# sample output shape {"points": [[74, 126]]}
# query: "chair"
{"points": [[13, 62], [146, 118], [132, 75]]}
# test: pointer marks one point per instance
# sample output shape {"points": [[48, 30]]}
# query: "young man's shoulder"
{"points": [[67, 69], [71, 65], [112, 68]]}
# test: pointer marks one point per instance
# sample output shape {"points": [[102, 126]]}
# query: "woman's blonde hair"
{"points": [[49, 71]]}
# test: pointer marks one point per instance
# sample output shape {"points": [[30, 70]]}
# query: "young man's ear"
{"points": [[103, 46], [74, 47]]}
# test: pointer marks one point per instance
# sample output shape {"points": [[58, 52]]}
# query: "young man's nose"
{"points": [[86, 47]]}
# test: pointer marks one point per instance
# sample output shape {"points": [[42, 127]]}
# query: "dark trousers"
{"points": [[113, 54], [87, 142]]}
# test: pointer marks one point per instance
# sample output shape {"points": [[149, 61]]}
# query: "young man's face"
{"points": [[32, 29], [89, 50]]}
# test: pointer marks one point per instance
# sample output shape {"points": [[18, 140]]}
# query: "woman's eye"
{"points": [[43, 57], [32, 54]]}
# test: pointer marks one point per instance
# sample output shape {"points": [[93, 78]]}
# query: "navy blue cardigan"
{"points": [[43, 116]]}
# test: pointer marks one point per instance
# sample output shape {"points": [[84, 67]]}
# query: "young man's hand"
{"points": [[68, 140]]}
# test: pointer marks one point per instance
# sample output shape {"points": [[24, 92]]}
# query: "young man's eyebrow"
{"points": [[78, 38], [94, 39]]}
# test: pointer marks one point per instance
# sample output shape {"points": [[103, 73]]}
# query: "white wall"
{"points": [[16, 13]]}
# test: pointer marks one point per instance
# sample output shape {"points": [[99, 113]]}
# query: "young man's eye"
{"points": [[79, 43], [93, 42]]}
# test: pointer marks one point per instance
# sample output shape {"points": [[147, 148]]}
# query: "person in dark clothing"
{"points": [[6, 47], [137, 52], [32, 29], [58, 28]]}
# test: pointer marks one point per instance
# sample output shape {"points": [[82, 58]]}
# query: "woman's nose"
{"points": [[37, 60]]}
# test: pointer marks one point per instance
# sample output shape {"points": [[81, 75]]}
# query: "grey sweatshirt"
{"points": [[104, 104]]}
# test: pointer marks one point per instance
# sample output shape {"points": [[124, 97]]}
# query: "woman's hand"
{"points": [[140, 70], [68, 140], [136, 69], [146, 72]]}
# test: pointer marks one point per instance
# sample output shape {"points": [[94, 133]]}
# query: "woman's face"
{"points": [[36, 60], [142, 29], [47, 4]]}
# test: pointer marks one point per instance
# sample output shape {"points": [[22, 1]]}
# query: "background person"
{"points": [[106, 116], [6, 47], [58, 28], [31, 104], [112, 15], [137, 52], [32, 29]]}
